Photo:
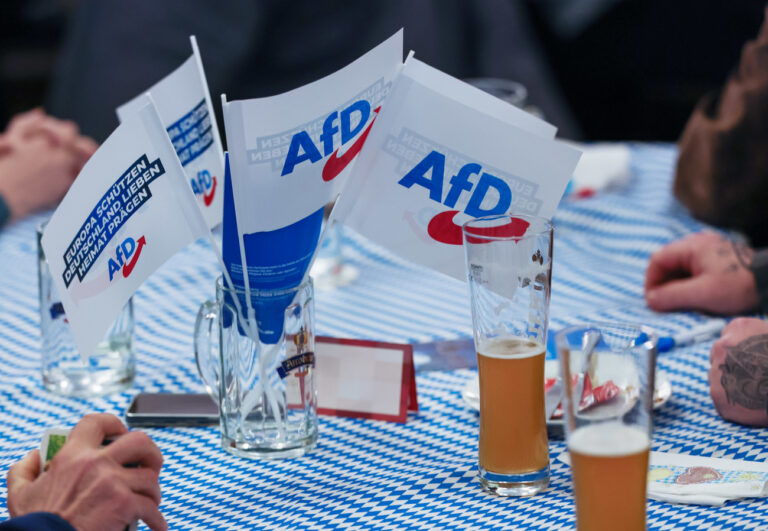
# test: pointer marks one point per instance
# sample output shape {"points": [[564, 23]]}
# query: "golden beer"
{"points": [[610, 472], [513, 430]]}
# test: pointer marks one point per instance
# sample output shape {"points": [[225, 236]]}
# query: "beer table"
{"points": [[373, 474]]}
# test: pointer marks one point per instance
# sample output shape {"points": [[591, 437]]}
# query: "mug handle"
{"points": [[207, 363]]}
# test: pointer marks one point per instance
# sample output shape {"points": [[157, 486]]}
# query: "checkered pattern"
{"points": [[368, 474]]}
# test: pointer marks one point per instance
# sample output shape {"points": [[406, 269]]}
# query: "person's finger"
{"points": [[149, 512], [143, 481], [58, 132], [669, 260], [690, 294], [24, 471], [717, 350], [24, 120], [84, 147], [6, 146], [135, 448], [94, 428]]}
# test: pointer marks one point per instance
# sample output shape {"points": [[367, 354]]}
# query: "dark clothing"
{"points": [[759, 268], [5, 212], [115, 49], [37, 522]]}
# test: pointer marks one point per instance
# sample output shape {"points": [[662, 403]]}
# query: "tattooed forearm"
{"points": [[745, 373], [744, 253]]}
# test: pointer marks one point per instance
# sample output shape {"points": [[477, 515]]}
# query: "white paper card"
{"points": [[432, 162], [291, 154], [366, 379], [128, 211], [360, 378], [184, 104]]}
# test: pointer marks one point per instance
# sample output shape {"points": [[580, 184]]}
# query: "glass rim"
{"points": [[546, 223], [221, 286], [650, 333]]}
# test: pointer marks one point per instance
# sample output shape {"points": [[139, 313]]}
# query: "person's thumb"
{"points": [[688, 294], [25, 471]]}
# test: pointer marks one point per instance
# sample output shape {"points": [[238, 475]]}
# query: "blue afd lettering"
{"points": [[123, 252], [201, 182], [347, 134], [300, 141], [486, 182], [302, 147], [434, 164]]}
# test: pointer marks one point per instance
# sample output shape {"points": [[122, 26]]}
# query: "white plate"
{"points": [[471, 392]]}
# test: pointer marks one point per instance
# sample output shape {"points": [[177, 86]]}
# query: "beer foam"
{"points": [[610, 439], [511, 347]]}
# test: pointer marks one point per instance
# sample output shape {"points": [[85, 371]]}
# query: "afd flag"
{"points": [[443, 152], [128, 211], [184, 103], [291, 154]]}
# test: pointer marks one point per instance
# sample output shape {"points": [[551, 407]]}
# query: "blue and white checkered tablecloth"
{"points": [[367, 474]]}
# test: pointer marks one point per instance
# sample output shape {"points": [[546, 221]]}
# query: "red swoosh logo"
{"points": [[208, 198], [443, 229], [335, 164], [128, 268]]}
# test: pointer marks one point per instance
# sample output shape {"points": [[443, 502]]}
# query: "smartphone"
{"points": [[170, 409]]}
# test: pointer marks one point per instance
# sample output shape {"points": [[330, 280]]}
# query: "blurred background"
{"points": [[598, 69]]}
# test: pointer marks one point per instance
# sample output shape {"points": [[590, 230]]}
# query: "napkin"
{"points": [[601, 166], [679, 478]]}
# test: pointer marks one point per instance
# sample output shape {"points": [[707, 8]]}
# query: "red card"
{"points": [[365, 379]]}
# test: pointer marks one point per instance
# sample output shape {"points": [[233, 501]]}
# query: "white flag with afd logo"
{"points": [[128, 211], [291, 154], [443, 152], [184, 104]]}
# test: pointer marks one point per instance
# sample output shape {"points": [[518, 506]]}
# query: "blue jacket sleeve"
{"points": [[37, 522], [5, 212]]}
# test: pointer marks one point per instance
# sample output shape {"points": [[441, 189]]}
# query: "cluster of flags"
{"points": [[408, 152]]}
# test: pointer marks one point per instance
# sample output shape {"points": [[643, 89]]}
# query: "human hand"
{"points": [[738, 372], [39, 158], [701, 272], [87, 484], [59, 133]]}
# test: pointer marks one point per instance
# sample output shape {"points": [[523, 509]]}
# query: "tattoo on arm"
{"points": [[743, 252], [745, 373], [737, 248]]}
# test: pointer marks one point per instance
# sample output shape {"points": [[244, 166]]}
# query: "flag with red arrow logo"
{"points": [[443, 152], [128, 211], [184, 104], [292, 153]]}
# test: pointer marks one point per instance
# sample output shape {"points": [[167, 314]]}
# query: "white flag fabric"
{"points": [[291, 154], [184, 104], [443, 152], [128, 211]]}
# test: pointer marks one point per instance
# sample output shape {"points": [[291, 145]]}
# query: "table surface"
{"points": [[373, 474]]}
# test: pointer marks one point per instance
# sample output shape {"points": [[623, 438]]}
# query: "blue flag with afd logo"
{"points": [[128, 211]]}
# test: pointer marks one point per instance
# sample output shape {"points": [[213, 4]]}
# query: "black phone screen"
{"points": [[170, 409]]}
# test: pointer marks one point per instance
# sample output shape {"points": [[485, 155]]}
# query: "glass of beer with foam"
{"points": [[509, 265], [608, 375]]}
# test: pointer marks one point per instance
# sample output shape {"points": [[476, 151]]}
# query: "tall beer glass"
{"points": [[608, 372], [509, 264]]}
